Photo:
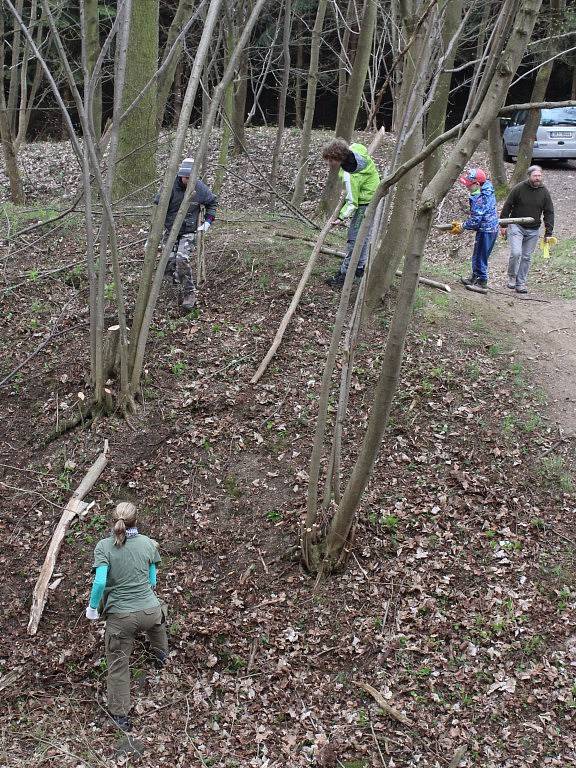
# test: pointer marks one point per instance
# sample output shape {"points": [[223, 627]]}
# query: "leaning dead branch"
{"points": [[383, 704], [74, 507]]}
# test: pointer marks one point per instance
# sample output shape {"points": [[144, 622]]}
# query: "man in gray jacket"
{"points": [[178, 267]]}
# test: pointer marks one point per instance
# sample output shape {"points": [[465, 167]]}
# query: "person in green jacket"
{"points": [[360, 177], [123, 591]]}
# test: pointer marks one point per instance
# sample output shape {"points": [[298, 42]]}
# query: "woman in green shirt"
{"points": [[124, 577]]}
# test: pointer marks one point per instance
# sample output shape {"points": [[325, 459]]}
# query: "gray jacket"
{"points": [[203, 195]]}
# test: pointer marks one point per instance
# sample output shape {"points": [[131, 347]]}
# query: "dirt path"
{"points": [[543, 327]]}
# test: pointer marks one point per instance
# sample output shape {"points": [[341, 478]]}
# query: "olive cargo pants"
{"points": [[121, 630]]}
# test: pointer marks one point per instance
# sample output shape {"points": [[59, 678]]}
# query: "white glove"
{"points": [[92, 614], [204, 227]]}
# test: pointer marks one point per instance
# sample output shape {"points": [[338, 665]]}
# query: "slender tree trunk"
{"points": [[240, 94], [436, 117], [573, 87], [14, 178], [316, 42], [298, 118], [557, 14], [346, 54], [138, 133], [177, 104], [283, 91], [226, 117], [497, 165], [348, 112], [168, 77], [91, 32]]}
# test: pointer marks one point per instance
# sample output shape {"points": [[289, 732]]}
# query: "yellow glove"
{"points": [[546, 244], [456, 228]]}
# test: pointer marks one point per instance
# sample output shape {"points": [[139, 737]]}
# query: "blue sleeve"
{"points": [[152, 574], [98, 586], [478, 208]]}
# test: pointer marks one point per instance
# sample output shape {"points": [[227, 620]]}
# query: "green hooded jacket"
{"points": [[361, 184]]}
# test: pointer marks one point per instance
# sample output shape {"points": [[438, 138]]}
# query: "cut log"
{"points": [[501, 222], [430, 283], [111, 350], [74, 507]]}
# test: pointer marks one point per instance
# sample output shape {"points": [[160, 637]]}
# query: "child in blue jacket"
{"points": [[483, 220]]}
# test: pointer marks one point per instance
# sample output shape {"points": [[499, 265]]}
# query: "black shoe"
{"points": [[159, 659], [189, 301], [337, 280], [123, 722], [472, 280], [359, 274], [482, 283], [521, 289]]}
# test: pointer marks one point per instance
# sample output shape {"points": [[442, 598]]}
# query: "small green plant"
{"points": [[64, 480], [553, 470], [390, 522], [273, 516], [110, 291], [179, 368], [232, 487], [564, 597], [534, 645]]}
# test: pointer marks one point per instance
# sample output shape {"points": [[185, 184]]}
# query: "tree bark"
{"points": [[10, 161], [497, 165], [524, 158], [138, 132], [315, 44], [283, 91], [91, 32], [298, 118], [166, 80]]}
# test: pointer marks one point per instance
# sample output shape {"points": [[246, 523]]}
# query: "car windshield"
{"points": [[560, 116]]}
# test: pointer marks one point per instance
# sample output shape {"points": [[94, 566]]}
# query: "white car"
{"points": [[555, 138]]}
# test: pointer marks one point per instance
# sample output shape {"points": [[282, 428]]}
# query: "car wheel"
{"points": [[505, 154]]}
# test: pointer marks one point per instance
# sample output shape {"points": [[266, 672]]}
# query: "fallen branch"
{"points": [[74, 507], [458, 756], [383, 704], [502, 222], [341, 254]]}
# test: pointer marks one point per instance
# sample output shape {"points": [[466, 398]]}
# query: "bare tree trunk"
{"points": [[497, 165], [298, 119], [240, 94], [227, 116], [168, 77], [524, 158], [91, 34], [316, 42], [573, 87], [138, 133], [14, 178], [177, 104], [351, 99], [283, 90], [436, 117]]}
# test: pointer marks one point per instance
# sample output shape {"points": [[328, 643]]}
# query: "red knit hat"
{"points": [[473, 176]]}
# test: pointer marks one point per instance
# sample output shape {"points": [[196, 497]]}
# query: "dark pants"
{"points": [[353, 230], [121, 630], [482, 249]]}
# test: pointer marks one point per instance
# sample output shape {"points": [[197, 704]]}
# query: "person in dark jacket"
{"points": [[178, 267], [483, 220], [529, 198]]}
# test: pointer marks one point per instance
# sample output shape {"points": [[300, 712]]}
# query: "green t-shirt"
{"points": [[127, 582]]}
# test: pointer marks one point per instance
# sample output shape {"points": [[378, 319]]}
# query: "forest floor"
{"points": [[458, 603]]}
